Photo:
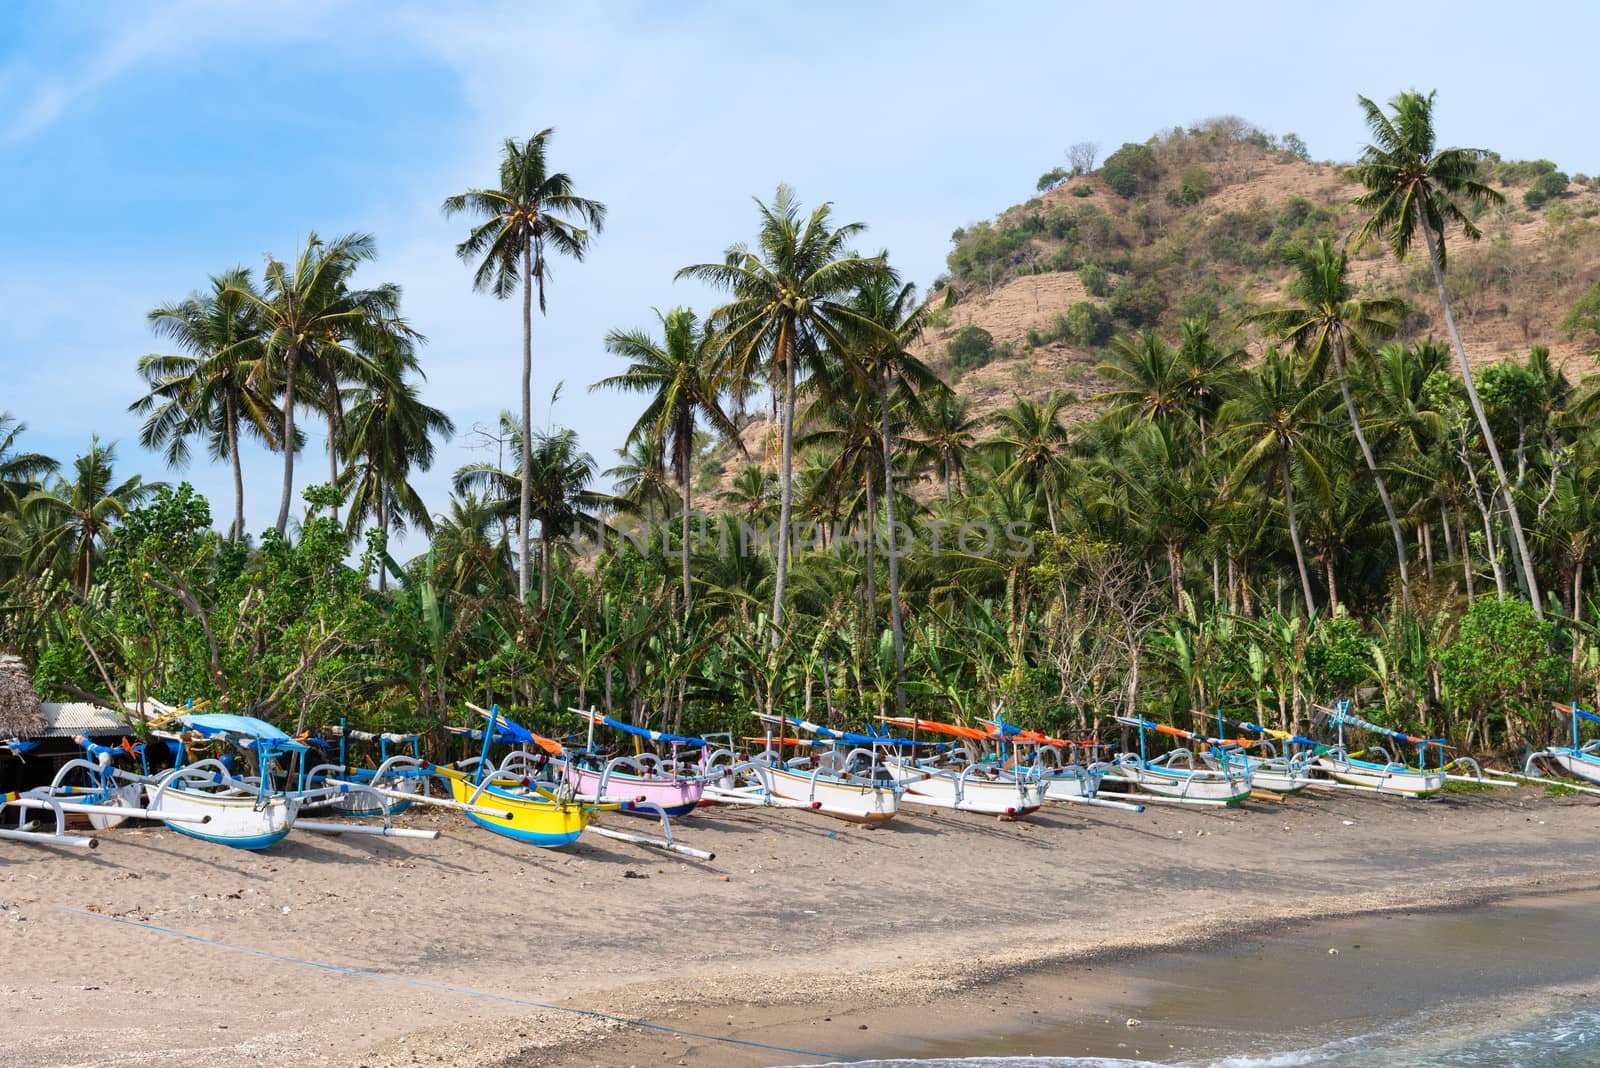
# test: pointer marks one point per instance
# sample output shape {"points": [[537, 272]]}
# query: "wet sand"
{"points": [[917, 930]]}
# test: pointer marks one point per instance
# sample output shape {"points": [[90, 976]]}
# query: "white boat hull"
{"points": [[127, 797], [1005, 798], [1279, 779], [1198, 784], [237, 821], [1410, 782], [1069, 786], [1581, 767], [855, 802]]}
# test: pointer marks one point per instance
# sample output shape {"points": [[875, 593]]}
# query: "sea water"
{"points": [[1564, 1039], [1515, 985]]}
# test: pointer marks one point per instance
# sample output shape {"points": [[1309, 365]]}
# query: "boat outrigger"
{"points": [[1388, 776], [961, 779], [399, 779], [532, 799], [667, 784], [1286, 772], [852, 785], [1175, 776], [1580, 760]]}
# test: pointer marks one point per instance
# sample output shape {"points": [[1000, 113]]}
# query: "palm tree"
{"points": [[1413, 185], [1033, 446], [948, 437], [467, 556], [789, 301], [879, 358], [1272, 420], [74, 515], [751, 494], [533, 210], [1209, 371], [678, 375], [1330, 323], [20, 472], [309, 312], [1165, 479], [373, 355], [214, 386], [641, 482], [559, 496], [1150, 383], [390, 433]]}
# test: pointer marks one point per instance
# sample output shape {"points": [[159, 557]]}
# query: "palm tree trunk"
{"points": [[545, 558], [895, 624], [683, 460], [1577, 592], [232, 416], [1427, 549], [1525, 559], [524, 506], [1294, 532], [1383, 489], [1449, 544], [1333, 584], [872, 553], [1466, 549], [291, 368], [335, 425], [383, 528], [786, 489]]}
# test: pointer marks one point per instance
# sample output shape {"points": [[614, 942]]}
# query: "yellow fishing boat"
{"points": [[537, 816]]}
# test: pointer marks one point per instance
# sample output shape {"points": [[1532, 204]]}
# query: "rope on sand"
{"points": [[466, 991]]}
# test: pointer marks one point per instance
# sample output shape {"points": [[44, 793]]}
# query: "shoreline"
{"points": [[470, 934], [963, 990]]}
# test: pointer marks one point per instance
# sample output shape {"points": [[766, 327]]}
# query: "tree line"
{"points": [[1330, 513]]}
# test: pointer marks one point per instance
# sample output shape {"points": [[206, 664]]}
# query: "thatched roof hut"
{"points": [[20, 715]]}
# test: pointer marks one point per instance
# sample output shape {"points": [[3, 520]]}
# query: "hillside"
{"points": [[1195, 222]]}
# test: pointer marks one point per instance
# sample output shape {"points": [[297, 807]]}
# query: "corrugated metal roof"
{"points": [[73, 718]]}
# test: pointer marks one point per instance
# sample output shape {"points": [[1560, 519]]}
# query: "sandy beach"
{"points": [[818, 937]]}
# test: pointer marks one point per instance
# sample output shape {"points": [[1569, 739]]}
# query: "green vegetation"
{"points": [[1131, 169], [971, 348], [1273, 503]]}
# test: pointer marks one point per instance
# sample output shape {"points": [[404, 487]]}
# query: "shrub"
{"points": [[1337, 656], [1500, 660], [1547, 186], [1096, 282], [1293, 145], [1138, 304], [972, 347], [1129, 168], [1194, 185], [1087, 324], [1052, 178], [1082, 191]]}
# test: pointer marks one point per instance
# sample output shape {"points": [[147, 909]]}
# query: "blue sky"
{"points": [[144, 146]]}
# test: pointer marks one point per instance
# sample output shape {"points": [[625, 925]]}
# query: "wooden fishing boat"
{"points": [[1075, 781], [643, 784], [544, 814], [963, 782], [1288, 772], [851, 785], [399, 775], [1386, 776], [525, 813], [243, 814], [1174, 776], [1580, 760]]}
